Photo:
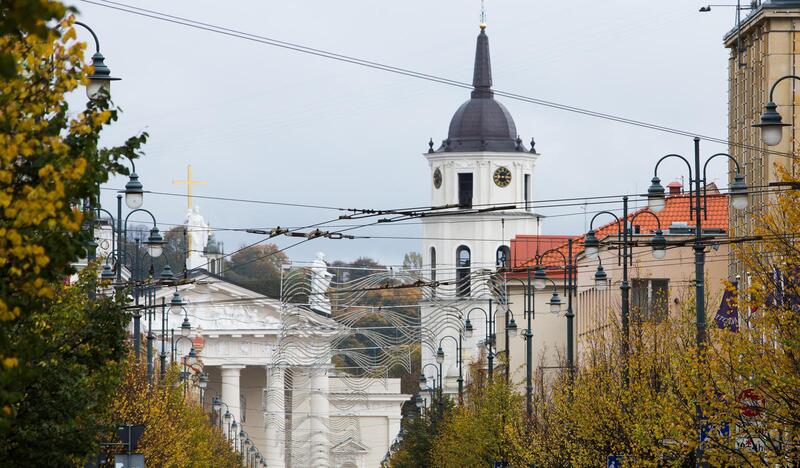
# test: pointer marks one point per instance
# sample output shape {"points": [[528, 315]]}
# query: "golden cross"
{"points": [[189, 182]]}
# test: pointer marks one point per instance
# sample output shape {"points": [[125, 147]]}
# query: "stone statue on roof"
{"points": [[197, 237], [320, 281]]}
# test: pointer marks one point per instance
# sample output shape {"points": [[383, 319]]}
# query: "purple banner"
{"points": [[728, 313]]}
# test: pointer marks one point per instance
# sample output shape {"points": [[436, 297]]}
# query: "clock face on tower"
{"points": [[502, 177], [437, 178]]}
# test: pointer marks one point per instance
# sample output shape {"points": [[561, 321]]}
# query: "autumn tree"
{"points": [[22, 18], [488, 427], [414, 450], [50, 165], [177, 432]]}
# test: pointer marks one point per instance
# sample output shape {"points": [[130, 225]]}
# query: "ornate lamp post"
{"points": [[233, 431], [491, 319], [771, 133], [100, 79], [592, 248], [440, 360], [698, 197], [134, 197], [437, 387], [771, 124]]}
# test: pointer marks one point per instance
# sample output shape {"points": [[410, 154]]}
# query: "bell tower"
{"points": [[482, 164]]}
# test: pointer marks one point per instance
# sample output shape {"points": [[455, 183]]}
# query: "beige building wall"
{"points": [[598, 310], [549, 335], [763, 49]]}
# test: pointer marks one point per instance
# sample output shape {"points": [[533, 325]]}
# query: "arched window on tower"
{"points": [[463, 262], [212, 266], [503, 257], [433, 271]]}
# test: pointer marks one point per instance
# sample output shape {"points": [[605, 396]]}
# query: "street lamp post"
{"points": [[491, 319], [134, 197], [656, 202], [440, 359], [739, 200], [527, 334], [658, 245], [189, 362], [101, 78], [216, 407], [591, 247], [771, 123], [539, 281], [242, 436], [174, 347], [423, 385], [232, 432]]}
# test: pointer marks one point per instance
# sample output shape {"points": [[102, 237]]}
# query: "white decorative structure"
{"points": [[320, 281], [197, 237], [484, 168]]}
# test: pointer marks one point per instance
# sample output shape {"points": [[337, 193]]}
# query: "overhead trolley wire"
{"points": [[188, 22]]}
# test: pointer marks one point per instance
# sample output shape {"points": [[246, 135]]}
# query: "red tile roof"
{"points": [[525, 247], [676, 210]]}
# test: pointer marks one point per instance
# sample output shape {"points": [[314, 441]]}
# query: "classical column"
{"points": [[231, 394], [319, 412], [275, 418]]}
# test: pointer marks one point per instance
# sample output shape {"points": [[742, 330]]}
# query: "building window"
{"points": [[463, 261], [465, 190], [433, 271], [650, 299], [503, 257], [213, 266], [527, 190]]}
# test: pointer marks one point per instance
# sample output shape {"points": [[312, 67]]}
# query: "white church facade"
{"points": [[270, 365]]}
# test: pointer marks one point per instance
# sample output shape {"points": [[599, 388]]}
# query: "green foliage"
{"points": [[414, 450], [357, 269], [50, 165], [489, 427], [258, 268], [73, 349]]}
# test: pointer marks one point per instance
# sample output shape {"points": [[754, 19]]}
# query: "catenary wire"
{"points": [[153, 14]]}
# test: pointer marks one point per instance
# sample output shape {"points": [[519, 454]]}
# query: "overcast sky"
{"points": [[264, 123]]}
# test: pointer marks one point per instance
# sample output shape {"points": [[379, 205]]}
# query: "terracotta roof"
{"points": [[525, 247], [676, 210]]}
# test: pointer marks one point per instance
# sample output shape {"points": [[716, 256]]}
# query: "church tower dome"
{"points": [[482, 123]]}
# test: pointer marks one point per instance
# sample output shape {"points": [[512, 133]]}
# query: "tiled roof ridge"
{"points": [[677, 198]]}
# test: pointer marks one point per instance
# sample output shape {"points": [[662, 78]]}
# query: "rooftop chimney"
{"points": [[675, 188]]}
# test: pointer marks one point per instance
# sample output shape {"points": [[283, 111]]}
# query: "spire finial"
{"points": [[482, 77], [483, 14]]}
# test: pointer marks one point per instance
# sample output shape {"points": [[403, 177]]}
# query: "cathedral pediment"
{"points": [[350, 446], [215, 306]]}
